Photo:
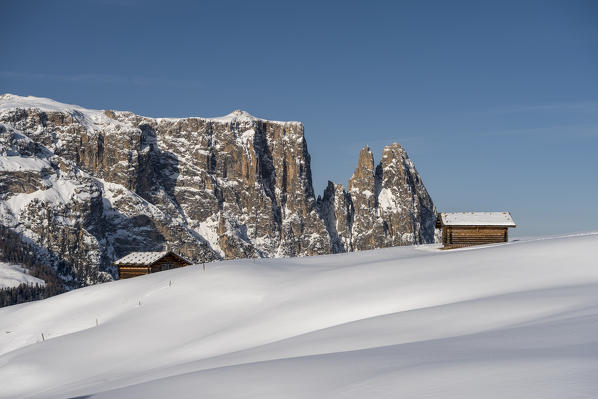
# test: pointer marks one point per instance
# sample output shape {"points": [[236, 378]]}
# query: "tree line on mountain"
{"points": [[14, 250], [21, 293]]}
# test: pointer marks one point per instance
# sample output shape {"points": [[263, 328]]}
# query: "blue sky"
{"points": [[496, 102]]}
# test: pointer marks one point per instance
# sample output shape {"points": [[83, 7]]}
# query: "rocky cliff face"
{"points": [[86, 187], [384, 206]]}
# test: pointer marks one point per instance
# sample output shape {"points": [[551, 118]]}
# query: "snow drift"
{"points": [[516, 320]]}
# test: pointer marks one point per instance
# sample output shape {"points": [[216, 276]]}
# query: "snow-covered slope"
{"points": [[517, 320], [14, 275]]}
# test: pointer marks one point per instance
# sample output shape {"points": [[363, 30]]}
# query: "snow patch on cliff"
{"points": [[246, 138], [388, 201], [22, 164], [60, 192]]}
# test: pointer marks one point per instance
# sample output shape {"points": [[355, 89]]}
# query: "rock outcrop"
{"points": [[384, 206], [336, 208], [85, 187]]}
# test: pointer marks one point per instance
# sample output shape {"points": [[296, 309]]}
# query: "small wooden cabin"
{"points": [[140, 263], [462, 229]]}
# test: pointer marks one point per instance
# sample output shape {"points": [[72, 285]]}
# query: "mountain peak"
{"points": [[238, 115]]}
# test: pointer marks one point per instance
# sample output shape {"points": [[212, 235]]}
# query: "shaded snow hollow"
{"points": [[516, 320]]}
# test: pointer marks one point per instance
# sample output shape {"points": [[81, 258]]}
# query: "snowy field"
{"points": [[517, 320]]}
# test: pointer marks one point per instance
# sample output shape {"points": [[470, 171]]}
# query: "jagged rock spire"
{"points": [[384, 206]]}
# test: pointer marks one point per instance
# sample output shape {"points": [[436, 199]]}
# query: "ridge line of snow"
{"points": [[12, 101]]}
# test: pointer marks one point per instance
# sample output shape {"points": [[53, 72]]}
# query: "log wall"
{"points": [[462, 236], [132, 271], [166, 263]]}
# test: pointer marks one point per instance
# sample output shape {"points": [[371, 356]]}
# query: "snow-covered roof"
{"points": [[144, 258], [503, 219]]}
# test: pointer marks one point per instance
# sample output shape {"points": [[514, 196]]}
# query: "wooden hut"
{"points": [[462, 229], [140, 263]]}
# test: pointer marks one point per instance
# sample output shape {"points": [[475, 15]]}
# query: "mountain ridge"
{"points": [[89, 186]]}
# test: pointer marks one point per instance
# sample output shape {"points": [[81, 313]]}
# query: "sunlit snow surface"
{"points": [[14, 275], [517, 320]]}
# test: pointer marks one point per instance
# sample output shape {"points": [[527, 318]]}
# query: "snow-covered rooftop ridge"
{"points": [[477, 219], [145, 258], [141, 258]]}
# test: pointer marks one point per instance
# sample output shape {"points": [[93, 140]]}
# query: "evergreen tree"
{"points": [[13, 249]]}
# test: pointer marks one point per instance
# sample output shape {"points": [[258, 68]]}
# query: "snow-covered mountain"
{"points": [[84, 187], [514, 320]]}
